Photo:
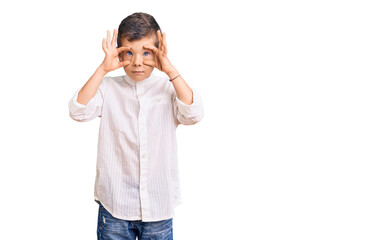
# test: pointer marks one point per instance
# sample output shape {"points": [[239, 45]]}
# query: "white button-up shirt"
{"points": [[137, 167]]}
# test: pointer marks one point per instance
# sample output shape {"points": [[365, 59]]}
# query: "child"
{"points": [[137, 181]]}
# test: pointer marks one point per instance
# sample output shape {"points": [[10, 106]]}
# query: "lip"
{"points": [[137, 72]]}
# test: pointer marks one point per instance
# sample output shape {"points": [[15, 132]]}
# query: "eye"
{"points": [[129, 53], [146, 54]]}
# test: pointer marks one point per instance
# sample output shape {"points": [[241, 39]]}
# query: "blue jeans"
{"points": [[111, 228]]}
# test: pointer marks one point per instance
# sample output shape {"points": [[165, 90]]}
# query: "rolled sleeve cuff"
{"points": [[193, 110], [75, 106]]}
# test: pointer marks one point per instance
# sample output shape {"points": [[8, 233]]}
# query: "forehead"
{"points": [[139, 43]]}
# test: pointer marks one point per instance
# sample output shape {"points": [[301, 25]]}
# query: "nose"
{"points": [[137, 61]]}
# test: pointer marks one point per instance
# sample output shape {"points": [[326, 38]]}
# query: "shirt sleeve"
{"points": [[189, 114], [93, 109]]}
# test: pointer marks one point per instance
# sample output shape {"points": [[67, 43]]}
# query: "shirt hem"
{"points": [[134, 218]]}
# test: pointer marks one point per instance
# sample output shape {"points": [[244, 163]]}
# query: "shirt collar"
{"points": [[139, 83]]}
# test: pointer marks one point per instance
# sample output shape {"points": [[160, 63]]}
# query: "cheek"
{"points": [[148, 68]]}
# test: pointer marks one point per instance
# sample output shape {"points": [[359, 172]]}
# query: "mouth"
{"points": [[137, 72]]}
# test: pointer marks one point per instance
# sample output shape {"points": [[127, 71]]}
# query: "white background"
{"points": [[286, 149]]}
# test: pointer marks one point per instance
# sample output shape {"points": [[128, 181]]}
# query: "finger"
{"points": [[164, 43], [104, 47], [159, 39], [152, 48], [114, 38], [122, 49], [108, 39]]}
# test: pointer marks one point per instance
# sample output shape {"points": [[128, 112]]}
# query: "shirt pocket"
{"points": [[161, 100], [160, 104]]}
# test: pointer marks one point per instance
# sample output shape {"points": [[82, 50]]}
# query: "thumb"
{"points": [[125, 63], [150, 63]]}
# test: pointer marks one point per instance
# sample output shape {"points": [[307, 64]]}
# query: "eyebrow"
{"points": [[143, 49]]}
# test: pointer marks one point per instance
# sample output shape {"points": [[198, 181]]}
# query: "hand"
{"points": [[160, 61], [111, 60]]}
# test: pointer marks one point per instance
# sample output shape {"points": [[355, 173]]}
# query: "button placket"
{"points": [[143, 157]]}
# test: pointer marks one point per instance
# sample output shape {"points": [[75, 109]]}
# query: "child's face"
{"points": [[137, 70]]}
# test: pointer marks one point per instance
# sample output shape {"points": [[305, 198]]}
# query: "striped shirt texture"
{"points": [[137, 175]]}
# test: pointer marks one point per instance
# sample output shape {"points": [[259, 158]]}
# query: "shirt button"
{"points": [[143, 156]]}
